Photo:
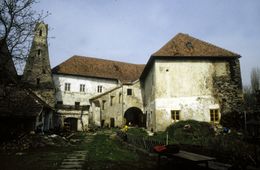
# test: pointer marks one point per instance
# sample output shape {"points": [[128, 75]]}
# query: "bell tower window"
{"points": [[39, 52], [38, 81], [40, 33]]}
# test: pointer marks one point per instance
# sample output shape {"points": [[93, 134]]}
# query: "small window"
{"points": [[67, 86], [38, 81], [119, 98], [129, 92], [77, 104], [40, 33], [214, 115], [103, 104], [43, 71], [39, 52], [59, 102], [99, 89], [82, 88], [175, 115], [111, 100]]}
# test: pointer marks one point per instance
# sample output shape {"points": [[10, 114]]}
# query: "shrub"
{"points": [[190, 132]]}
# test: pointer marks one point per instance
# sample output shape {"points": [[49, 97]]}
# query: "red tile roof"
{"points": [[185, 45], [100, 68]]}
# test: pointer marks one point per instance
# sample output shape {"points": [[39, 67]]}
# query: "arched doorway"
{"points": [[134, 117], [71, 123]]}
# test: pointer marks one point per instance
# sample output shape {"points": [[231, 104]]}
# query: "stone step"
{"points": [[72, 163]]}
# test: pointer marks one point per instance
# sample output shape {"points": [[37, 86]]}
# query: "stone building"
{"points": [[186, 79], [190, 79], [37, 73], [118, 106], [37, 76], [80, 78]]}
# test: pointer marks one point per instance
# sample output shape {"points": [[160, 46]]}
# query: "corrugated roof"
{"points": [[100, 68], [184, 45]]}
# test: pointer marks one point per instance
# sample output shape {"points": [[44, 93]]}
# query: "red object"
{"points": [[159, 148]]}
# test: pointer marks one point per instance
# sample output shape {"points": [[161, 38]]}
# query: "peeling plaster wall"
{"points": [[120, 103], [148, 90], [185, 85], [74, 95]]}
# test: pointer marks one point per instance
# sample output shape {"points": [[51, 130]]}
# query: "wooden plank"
{"points": [[193, 156]]}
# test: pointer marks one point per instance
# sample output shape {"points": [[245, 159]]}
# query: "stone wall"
{"points": [[228, 89]]}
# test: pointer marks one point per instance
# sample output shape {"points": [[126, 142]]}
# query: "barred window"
{"points": [[214, 115], [175, 115]]}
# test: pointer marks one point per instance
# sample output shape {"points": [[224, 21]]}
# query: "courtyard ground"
{"points": [[88, 151], [98, 150]]}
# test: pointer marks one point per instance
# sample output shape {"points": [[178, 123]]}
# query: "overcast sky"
{"points": [[131, 30]]}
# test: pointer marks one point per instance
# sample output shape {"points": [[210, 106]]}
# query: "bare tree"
{"points": [[17, 21], [255, 79]]}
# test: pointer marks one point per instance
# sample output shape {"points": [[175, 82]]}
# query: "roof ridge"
{"points": [[102, 59], [186, 45]]}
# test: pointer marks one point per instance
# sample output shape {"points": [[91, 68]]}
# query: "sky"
{"points": [[131, 30]]}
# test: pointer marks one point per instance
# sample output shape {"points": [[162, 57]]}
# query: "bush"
{"points": [[190, 132], [137, 131]]}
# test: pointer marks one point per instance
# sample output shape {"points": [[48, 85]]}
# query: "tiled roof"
{"points": [[184, 45], [100, 68]]}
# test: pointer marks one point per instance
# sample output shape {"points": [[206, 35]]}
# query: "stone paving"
{"points": [[76, 160]]}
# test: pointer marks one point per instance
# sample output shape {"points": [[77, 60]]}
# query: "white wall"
{"points": [[74, 95], [184, 85]]}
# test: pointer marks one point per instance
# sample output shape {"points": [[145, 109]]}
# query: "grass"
{"points": [[109, 153]]}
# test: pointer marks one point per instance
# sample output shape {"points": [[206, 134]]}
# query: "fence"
{"points": [[146, 143]]}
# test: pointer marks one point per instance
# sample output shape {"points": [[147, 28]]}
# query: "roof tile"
{"points": [[100, 68], [183, 45]]}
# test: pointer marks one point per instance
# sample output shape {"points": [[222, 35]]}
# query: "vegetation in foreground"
{"points": [[228, 146]]}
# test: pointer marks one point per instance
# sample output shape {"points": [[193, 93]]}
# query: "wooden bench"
{"points": [[187, 156]]}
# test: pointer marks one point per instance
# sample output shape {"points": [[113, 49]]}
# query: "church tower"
{"points": [[37, 73]]}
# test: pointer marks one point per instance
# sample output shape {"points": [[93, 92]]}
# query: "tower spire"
{"points": [[37, 73]]}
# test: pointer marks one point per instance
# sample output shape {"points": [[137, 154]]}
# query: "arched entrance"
{"points": [[71, 123], [134, 117]]}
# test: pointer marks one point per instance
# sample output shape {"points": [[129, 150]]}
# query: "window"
{"points": [[99, 89], [59, 102], [39, 52], [40, 33], [82, 88], [38, 81], [129, 92], [43, 71], [119, 98], [67, 86], [175, 114], [111, 100], [103, 104], [77, 104], [214, 115]]}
